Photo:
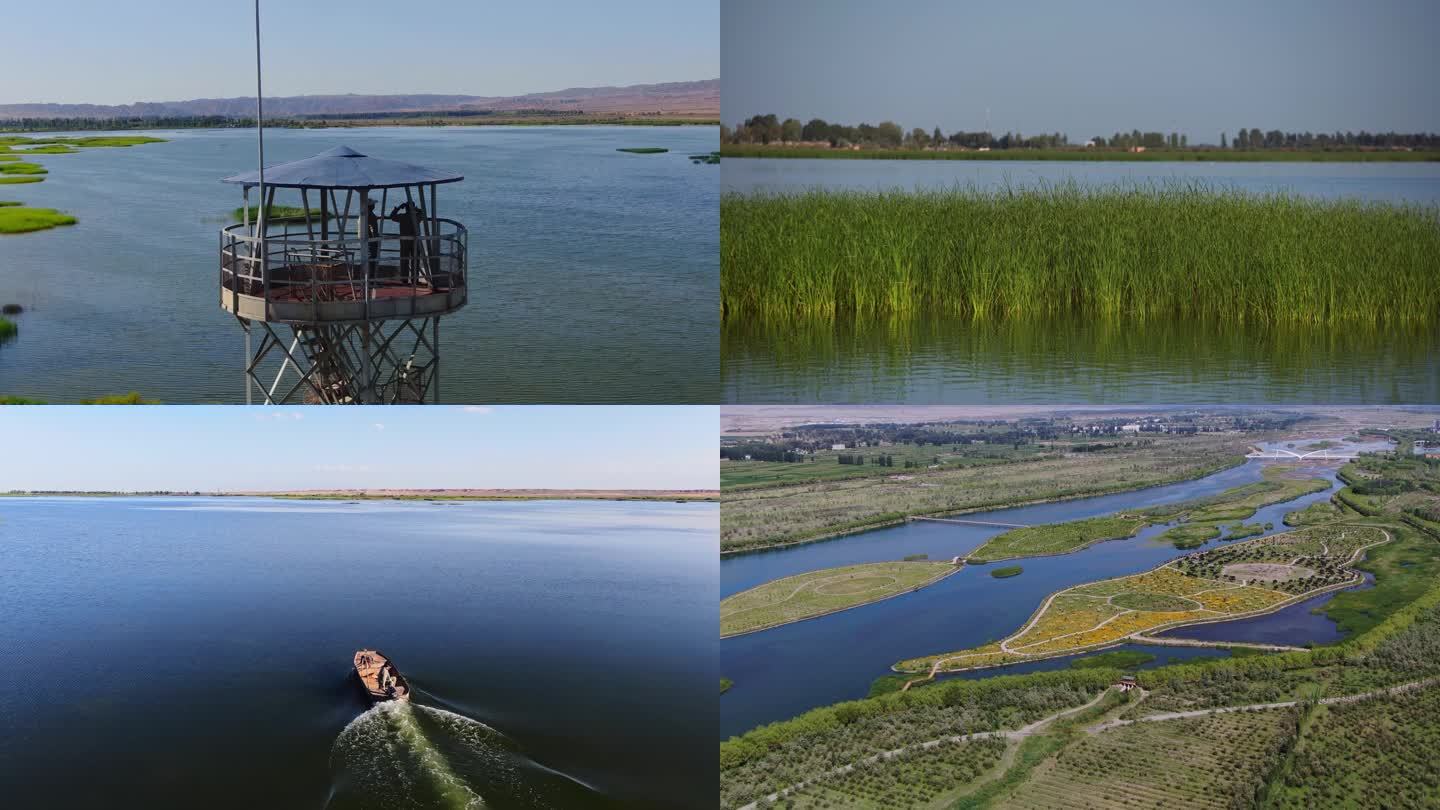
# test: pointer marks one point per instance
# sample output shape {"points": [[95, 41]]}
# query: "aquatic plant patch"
{"points": [[22, 168], [643, 150], [21, 219], [1126, 253], [18, 179]]}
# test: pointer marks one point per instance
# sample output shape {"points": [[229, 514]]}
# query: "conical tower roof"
{"points": [[344, 168]]}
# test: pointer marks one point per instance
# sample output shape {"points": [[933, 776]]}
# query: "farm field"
{"points": [[819, 592], [1216, 762], [1127, 254], [825, 466], [1199, 518], [1248, 578], [776, 515], [1352, 753]]}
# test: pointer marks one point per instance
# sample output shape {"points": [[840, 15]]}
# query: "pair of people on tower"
{"points": [[408, 217]]}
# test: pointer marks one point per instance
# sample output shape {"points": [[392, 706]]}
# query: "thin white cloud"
{"points": [[279, 416], [378, 426], [478, 409], [342, 468]]}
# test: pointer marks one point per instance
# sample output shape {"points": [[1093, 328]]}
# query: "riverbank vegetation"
{"points": [[776, 515], [1056, 538], [1118, 659], [817, 593], [1173, 251], [767, 135]]}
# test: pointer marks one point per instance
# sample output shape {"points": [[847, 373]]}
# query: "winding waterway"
{"points": [[593, 273], [196, 652], [780, 673]]}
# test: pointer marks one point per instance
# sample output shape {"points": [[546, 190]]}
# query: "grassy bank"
{"points": [[817, 593], [1176, 251], [280, 213], [1092, 154]]}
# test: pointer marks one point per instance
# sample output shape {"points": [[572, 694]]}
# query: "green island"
{"points": [[278, 213], [1314, 514], [1240, 531], [1199, 518], [8, 329], [14, 217], [1117, 659], [817, 593], [643, 150], [1143, 252], [725, 684], [824, 481], [1247, 578], [22, 219], [1007, 571]]}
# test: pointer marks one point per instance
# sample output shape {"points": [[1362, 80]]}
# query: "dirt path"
{"points": [[1014, 734], [1156, 718], [1141, 638]]}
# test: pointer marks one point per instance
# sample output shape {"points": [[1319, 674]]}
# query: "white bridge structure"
{"points": [[1327, 454]]}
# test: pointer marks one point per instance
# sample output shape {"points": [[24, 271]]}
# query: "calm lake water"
{"points": [[783, 672], [192, 652], [1058, 361], [593, 272], [1386, 182], [1063, 361]]}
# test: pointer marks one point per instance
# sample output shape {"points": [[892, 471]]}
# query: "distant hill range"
{"points": [[689, 99]]}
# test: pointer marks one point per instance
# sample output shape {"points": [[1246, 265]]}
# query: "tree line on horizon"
{"points": [[769, 129]]}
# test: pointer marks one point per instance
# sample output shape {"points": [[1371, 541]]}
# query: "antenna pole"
{"points": [[260, 139]]}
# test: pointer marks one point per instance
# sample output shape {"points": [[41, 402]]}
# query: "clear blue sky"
{"points": [[104, 52], [227, 447], [1087, 68]]}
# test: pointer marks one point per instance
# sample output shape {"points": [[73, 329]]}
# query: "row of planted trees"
{"points": [[770, 129]]}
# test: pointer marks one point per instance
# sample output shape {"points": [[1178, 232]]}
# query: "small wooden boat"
{"points": [[379, 677]]}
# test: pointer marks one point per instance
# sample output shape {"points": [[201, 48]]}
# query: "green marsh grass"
{"points": [[19, 219], [22, 168], [18, 179], [643, 150], [280, 213], [8, 329], [1187, 251]]}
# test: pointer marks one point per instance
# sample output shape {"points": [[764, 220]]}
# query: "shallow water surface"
{"points": [[584, 261], [178, 655], [1067, 361], [782, 672]]}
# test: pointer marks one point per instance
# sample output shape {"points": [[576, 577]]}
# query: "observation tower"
{"points": [[346, 292]]}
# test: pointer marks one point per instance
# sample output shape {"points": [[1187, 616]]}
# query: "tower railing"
{"points": [[295, 275]]}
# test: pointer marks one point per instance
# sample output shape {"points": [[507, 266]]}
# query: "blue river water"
{"points": [[196, 652], [1384, 182], [780, 673], [582, 260]]}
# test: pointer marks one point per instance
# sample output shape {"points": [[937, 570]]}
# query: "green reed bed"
{"points": [[1178, 250]]}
